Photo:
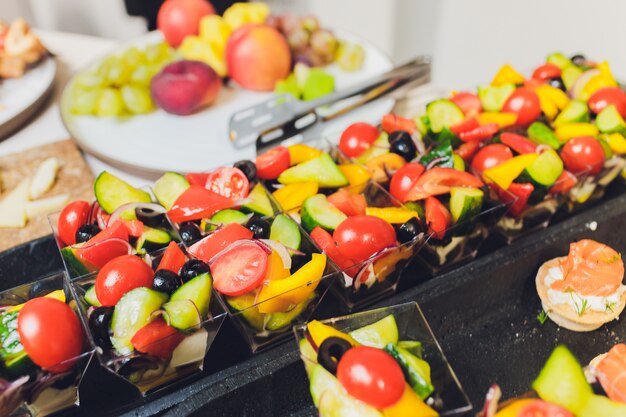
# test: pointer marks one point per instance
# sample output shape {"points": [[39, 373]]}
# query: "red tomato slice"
{"points": [[135, 227], [466, 125], [469, 103], [438, 181], [195, 203], [349, 203], [106, 245], [72, 217], [215, 242], [480, 133], [173, 259], [197, 178], [541, 408], [229, 182], [327, 244], [518, 194], [518, 143], [564, 183], [357, 138], [271, 164], [239, 269], [546, 71], [404, 178], [438, 217], [121, 275], [392, 122], [467, 150], [157, 339]]}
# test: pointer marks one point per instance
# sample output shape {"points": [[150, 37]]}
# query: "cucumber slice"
{"points": [[458, 163], [20, 365], [322, 170], [317, 211], [575, 112], [416, 370], [601, 406], [111, 192], [378, 334], [197, 290], [443, 113], [243, 304], [91, 298], [543, 135], [546, 169], [559, 60], [228, 216], [412, 346], [322, 381], [280, 320], [131, 313], [152, 239], [284, 230], [570, 75], [182, 315], [423, 124], [336, 403], [610, 121], [379, 147], [465, 203], [260, 203], [306, 350], [168, 188], [493, 98], [74, 266]]}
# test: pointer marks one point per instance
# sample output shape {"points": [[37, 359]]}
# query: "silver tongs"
{"points": [[284, 116]]}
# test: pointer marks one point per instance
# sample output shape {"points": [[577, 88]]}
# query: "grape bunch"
{"points": [[121, 83]]}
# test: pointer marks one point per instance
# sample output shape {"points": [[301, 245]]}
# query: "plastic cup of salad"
{"points": [[153, 320], [43, 348], [123, 220], [268, 275], [391, 347]]}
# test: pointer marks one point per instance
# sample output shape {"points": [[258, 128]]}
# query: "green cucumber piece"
{"points": [[19, 365], [417, 207], [570, 75], [182, 315], [197, 290], [322, 381], [576, 111], [318, 84], [260, 203], [284, 230], [317, 211], [558, 59], [280, 320], [601, 406], [322, 170], [465, 203], [423, 124], [15, 361], [91, 298], [168, 188], [131, 313], [151, 240], [228, 216], [416, 370], [242, 304], [443, 113], [379, 147], [378, 334], [493, 97], [541, 134], [337, 403], [74, 266], [546, 169], [306, 350], [610, 121], [458, 163], [112, 192], [412, 346]]}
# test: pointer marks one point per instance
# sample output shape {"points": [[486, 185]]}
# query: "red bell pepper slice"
{"points": [[196, 202], [392, 122], [211, 245], [197, 178], [466, 125], [438, 181], [518, 143], [518, 195], [467, 150], [173, 259], [479, 133], [564, 183], [106, 245], [349, 203], [438, 217], [157, 339], [327, 244]]}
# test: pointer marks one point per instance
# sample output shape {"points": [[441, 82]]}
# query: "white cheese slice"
{"points": [[44, 178], [13, 206], [45, 205]]}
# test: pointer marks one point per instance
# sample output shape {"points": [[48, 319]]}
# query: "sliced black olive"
{"points": [[189, 232], [407, 231], [99, 323], [150, 217], [557, 82], [260, 228], [192, 268], [579, 60], [248, 168], [165, 281], [86, 232], [331, 351], [401, 143]]}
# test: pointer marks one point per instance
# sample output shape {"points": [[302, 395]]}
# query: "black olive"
{"points": [[150, 217], [298, 261], [248, 168], [331, 351], [99, 323], [579, 60], [408, 230], [259, 227], [401, 143], [165, 281], [189, 232], [192, 268], [86, 232], [557, 82]]}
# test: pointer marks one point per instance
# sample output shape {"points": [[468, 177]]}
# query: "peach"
{"points": [[257, 56], [184, 87]]}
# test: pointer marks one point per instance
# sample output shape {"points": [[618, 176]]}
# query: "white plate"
{"points": [[21, 97], [158, 141]]}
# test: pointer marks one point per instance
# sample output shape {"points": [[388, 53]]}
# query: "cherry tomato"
{"points": [[546, 71], [239, 269], [403, 180], [180, 18], [349, 203], [564, 183], [157, 339], [121, 275], [438, 181], [51, 333], [357, 138], [229, 182], [438, 217], [327, 244], [72, 217], [371, 375], [525, 103], [465, 126], [583, 154], [106, 245], [467, 150], [215, 242], [541, 408], [271, 164], [359, 237], [480, 133], [469, 103], [490, 156], [173, 259], [392, 123], [195, 203], [518, 143], [605, 97]]}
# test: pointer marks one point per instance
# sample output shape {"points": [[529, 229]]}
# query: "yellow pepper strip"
{"points": [[355, 173], [280, 295], [57, 295], [409, 405], [319, 332], [616, 142], [393, 215], [291, 196], [605, 70], [275, 268], [507, 75], [595, 83], [515, 408], [501, 119], [301, 153], [380, 165], [572, 130], [557, 95], [505, 173], [547, 105]]}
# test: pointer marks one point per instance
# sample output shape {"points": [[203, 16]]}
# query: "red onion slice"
{"points": [[281, 250], [491, 401]]}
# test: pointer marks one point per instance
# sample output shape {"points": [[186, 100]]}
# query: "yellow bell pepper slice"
{"points": [[505, 173], [556, 95], [548, 107], [291, 196], [572, 130], [507, 75], [605, 70], [393, 215], [409, 405], [301, 153], [275, 268], [319, 332], [381, 164], [280, 295], [595, 83], [57, 295], [616, 141], [501, 119], [514, 409], [356, 174]]}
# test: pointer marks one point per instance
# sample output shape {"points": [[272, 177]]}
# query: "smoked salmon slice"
{"points": [[611, 372]]}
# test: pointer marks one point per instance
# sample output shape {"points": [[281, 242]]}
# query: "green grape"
{"points": [[137, 100], [90, 79], [133, 57], [109, 103], [118, 73], [83, 101], [350, 56], [104, 66], [142, 75], [157, 52]]}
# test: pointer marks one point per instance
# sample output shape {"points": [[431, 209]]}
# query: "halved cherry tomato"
{"points": [[135, 227], [357, 138], [606, 96], [239, 269], [392, 123], [195, 203], [518, 143], [106, 245], [546, 71], [438, 181], [480, 133], [349, 203], [541, 408], [271, 164], [51, 333], [211, 245], [525, 103], [467, 150], [517, 194], [197, 178], [466, 125], [121, 275], [469, 103], [490, 156], [403, 180], [157, 339], [583, 154], [359, 237], [438, 217], [564, 183], [327, 244], [228, 182], [371, 375], [72, 217], [173, 259]]}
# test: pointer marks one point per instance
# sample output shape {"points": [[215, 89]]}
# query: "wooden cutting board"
{"points": [[74, 178]]}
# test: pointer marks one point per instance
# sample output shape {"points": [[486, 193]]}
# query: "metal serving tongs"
{"points": [[285, 117]]}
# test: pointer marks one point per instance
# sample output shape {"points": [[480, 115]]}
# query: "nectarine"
{"points": [[180, 18]]}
